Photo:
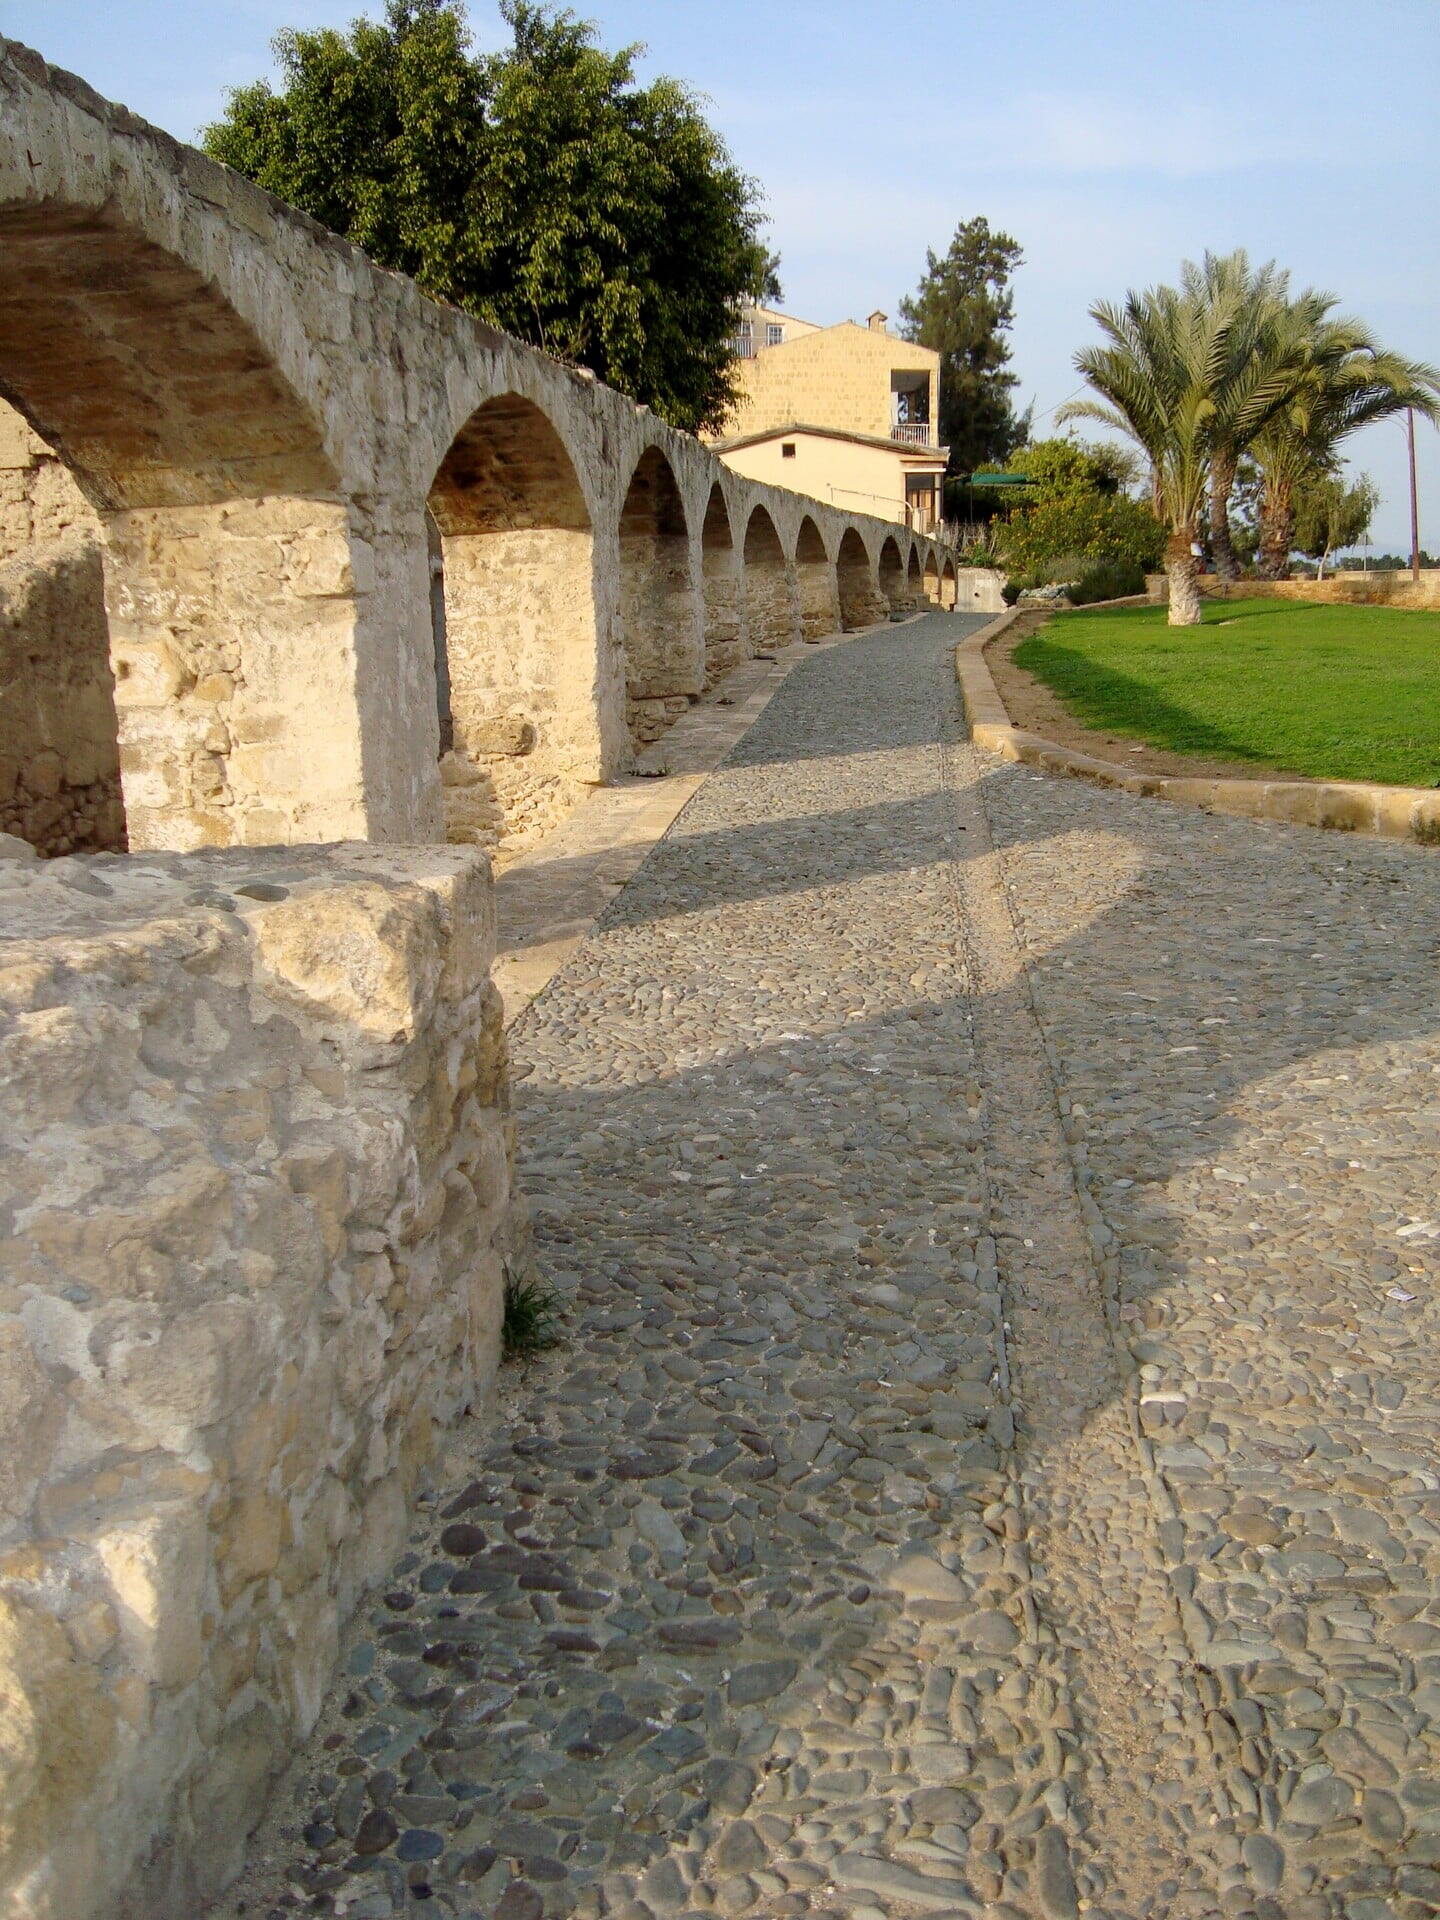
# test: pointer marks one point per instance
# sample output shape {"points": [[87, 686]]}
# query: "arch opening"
{"points": [[725, 640], [914, 583], [228, 575], [949, 590], [815, 584], [892, 579], [932, 578], [59, 732], [659, 610], [770, 610], [515, 627], [861, 602]]}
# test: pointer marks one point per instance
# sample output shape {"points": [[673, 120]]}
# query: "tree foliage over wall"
{"points": [[540, 187], [963, 309]]}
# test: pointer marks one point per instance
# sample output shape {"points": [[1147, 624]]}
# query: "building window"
{"points": [[787, 449], [774, 336]]}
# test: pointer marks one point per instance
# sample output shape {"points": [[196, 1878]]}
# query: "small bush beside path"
{"points": [[1325, 692]]}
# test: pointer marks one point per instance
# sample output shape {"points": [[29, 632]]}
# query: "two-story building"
{"points": [[845, 413]]}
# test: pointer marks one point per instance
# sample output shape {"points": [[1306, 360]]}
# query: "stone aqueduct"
{"points": [[255, 1149], [276, 435]]}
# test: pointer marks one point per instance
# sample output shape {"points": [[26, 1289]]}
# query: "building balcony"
{"points": [[915, 433]]}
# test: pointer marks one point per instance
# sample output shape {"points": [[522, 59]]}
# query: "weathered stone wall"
{"points": [[726, 637], [261, 418], [59, 752], [38, 498], [255, 1180], [772, 616], [1399, 589]]}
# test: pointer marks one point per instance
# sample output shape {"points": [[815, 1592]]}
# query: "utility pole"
{"points": [[1414, 498]]}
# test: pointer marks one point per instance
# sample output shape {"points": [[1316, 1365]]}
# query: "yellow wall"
{"points": [[843, 473], [832, 377]]}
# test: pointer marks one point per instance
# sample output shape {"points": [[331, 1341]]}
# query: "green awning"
{"points": [[997, 480]]}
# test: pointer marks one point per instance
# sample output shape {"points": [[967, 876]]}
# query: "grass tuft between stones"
{"points": [[532, 1317]]}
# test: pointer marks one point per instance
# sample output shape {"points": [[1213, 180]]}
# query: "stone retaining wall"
{"points": [[256, 1204], [1341, 589]]}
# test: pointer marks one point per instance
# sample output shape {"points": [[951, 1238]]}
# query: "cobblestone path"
{"points": [[991, 1467]]}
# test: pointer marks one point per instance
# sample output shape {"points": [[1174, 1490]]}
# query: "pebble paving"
{"points": [[991, 1467]]}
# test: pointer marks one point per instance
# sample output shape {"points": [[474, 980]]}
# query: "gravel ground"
{"points": [[991, 1467]]}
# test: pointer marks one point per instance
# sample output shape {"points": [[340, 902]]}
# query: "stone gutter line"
{"points": [[1345, 806]]}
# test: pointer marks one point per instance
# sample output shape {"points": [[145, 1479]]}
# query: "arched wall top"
{"points": [[810, 546], [169, 276], [762, 538], [508, 469], [134, 367], [716, 529], [384, 380], [652, 502]]}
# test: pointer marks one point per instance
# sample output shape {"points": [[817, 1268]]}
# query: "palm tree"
{"points": [[1178, 363], [1347, 381], [1258, 297]]}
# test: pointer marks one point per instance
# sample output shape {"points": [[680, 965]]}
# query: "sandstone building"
{"points": [[846, 414]]}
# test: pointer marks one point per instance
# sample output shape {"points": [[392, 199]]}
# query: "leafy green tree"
{"points": [[1077, 509], [1329, 516], [963, 309], [540, 188]]}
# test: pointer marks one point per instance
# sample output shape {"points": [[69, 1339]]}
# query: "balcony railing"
{"points": [[742, 345], [915, 433]]}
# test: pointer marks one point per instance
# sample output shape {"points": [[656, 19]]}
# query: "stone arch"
{"points": [[725, 644], [815, 584], [230, 571], [663, 642], [770, 611], [932, 577], [891, 572], [949, 591], [914, 581], [861, 602], [518, 645]]}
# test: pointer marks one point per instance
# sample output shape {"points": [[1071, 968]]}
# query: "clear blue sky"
{"points": [[1112, 138]]}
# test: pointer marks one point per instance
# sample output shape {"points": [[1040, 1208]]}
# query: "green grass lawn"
{"points": [[1342, 693]]}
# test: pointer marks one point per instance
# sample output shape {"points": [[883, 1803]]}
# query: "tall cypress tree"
{"points": [[964, 308]]}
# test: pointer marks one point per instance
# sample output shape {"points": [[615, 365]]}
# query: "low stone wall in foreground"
{"points": [[255, 1207]]}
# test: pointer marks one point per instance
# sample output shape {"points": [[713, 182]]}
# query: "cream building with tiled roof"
{"points": [[845, 413]]}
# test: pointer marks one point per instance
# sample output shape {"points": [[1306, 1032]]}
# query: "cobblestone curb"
{"points": [[1347, 806]]}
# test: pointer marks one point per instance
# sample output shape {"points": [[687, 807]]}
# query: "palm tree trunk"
{"points": [[1182, 570], [1277, 530], [1222, 546]]}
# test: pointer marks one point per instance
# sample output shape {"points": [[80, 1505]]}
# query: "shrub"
{"points": [[1094, 526], [532, 1315], [1108, 580]]}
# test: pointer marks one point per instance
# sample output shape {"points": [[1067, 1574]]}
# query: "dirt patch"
{"points": [[1034, 707]]}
